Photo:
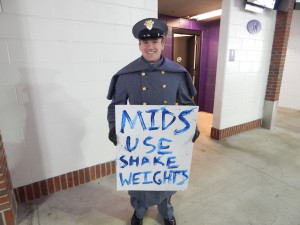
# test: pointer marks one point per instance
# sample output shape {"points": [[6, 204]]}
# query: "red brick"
{"points": [[29, 192], [108, 169], [17, 195], [4, 199], [103, 170], [3, 175], [3, 207], [92, 172], [63, 182], [44, 188], [22, 194], [81, 176], [50, 185], [57, 184], [87, 175], [2, 164], [113, 167], [9, 217], [36, 190], [98, 171], [70, 180], [76, 178], [3, 185]]}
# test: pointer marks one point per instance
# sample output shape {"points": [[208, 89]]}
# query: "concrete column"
{"points": [[270, 112]]}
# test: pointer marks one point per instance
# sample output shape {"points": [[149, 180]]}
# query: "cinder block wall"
{"points": [[241, 83], [57, 58]]}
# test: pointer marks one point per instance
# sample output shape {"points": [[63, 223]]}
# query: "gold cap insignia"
{"points": [[149, 24]]}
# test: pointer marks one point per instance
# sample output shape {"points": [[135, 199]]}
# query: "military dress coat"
{"points": [[143, 83]]}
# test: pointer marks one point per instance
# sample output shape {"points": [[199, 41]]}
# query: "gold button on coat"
{"points": [[144, 88], [162, 72], [164, 86], [143, 73], [144, 103], [165, 102]]}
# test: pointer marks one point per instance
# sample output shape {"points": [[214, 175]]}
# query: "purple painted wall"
{"points": [[210, 44], [208, 59]]}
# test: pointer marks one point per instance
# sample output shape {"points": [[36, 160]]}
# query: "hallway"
{"points": [[249, 179]]}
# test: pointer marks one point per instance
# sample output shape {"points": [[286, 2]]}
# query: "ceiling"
{"points": [[188, 8]]}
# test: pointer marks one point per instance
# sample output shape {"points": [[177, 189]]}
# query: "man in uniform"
{"points": [[151, 79]]}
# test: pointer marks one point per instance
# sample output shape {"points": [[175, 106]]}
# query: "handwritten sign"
{"points": [[155, 146]]}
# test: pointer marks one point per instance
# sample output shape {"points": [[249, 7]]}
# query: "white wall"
{"points": [[56, 61], [241, 84], [290, 91]]}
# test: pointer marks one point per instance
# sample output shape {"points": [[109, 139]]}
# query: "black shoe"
{"points": [[135, 220], [171, 221]]}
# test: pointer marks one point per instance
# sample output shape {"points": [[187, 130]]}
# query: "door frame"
{"points": [[198, 55]]}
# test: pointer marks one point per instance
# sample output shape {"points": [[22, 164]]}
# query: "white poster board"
{"points": [[155, 146]]}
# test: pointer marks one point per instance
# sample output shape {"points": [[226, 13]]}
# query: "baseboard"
{"points": [[49, 186], [220, 134]]}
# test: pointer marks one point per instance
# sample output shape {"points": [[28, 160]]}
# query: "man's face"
{"points": [[151, 49]]}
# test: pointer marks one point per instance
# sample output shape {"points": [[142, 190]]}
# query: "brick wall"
{"points": [[223, 133], [49, 186], [279, 48], [7, 197], [56, 66]]}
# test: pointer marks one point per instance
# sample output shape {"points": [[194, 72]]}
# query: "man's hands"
{"points": [[196, 135], [112, 136]]}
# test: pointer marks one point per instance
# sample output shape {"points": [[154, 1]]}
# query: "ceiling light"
{"points": [[182, 35], [207, 15]]}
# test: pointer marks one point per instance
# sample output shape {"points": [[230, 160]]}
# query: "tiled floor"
{"points": [[249, 179]]}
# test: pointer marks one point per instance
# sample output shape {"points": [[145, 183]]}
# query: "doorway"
{"points": [[186, 52]]}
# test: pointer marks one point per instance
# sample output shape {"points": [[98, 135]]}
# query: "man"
{"points": [[151, 79]]}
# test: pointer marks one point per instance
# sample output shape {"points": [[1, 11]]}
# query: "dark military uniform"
{"points": [[142, 83]]}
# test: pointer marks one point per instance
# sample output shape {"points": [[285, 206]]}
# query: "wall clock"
{"points": [[253, 26]]}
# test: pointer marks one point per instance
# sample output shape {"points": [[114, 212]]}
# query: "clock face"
{"points": [[253, 26]]}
